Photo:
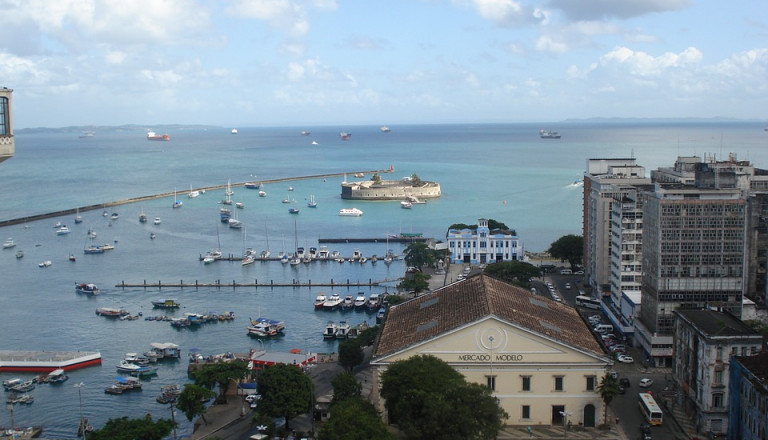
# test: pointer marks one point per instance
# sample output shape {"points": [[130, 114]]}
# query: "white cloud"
{"points": [[644, 65], [600, 9], [509, 13], [286, 15]]}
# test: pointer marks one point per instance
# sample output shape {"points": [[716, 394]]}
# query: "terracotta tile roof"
{"points": [[475, 298]]}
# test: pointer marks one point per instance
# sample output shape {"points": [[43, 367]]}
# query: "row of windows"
{"points": [[472, 244], [4, 115], [558, 383]]}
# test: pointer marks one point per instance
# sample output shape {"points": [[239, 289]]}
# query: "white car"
{"points": [[646, 382], [625, 359], [252, 398]]}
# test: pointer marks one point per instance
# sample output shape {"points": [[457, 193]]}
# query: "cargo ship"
{"points": [[152, 136], [344, 136], [47, 361]]}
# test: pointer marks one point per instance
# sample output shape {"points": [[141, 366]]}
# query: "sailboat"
{"points": [[233, 222], [227, 195], [192, 193], [312, 203], [78, 219], [295, 258], [214, 254], [142, 216], [248, 253], [389, 256], [265, 253], [176, 202]]}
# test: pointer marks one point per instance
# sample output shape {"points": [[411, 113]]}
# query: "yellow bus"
{"points": [[650, 409]]}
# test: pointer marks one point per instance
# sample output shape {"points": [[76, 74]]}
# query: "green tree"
{"points": [[133, 429], [608, 389], [376, 178], [345, 386], [418, 282], [429, 399], [368, 336], [350, 354], [514, 272], [418, 254], [492, 224], [568, 248], [415, 180], [191, 399], [354, 418], [285, 392], [222, 374]]}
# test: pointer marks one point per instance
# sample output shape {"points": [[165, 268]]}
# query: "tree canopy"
{"points": [[568, 248], [191, 401], [350, 354], [345, 386], [492, 224], [428, 399], [221, 374], [285, 392], [133, 429], [418, 254], [418, 282], [513, 272], [354, 418]]}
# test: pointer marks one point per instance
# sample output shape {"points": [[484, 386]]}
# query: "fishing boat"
{"points": [[350, 212], [265, 327], [157, 221], [78, 218], [333, 302], [22, 387], [166, 304], [143, 217], [87, 288], [406, 204], [63, 230], [293, 210], [152, 136], [319, 301]]}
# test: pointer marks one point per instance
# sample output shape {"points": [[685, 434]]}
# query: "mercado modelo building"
{"points": [[537, 355]]}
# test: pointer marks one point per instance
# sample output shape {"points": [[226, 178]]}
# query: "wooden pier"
{"points": [[234, 284]]}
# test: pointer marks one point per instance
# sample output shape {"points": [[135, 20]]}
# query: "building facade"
{"points": [[7, 145], [537, 355], [483, 245], [605, 181], [703, 342], [748, 397]]}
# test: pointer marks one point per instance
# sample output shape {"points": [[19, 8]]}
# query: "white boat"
{"points": [[348, 303], [320, 300], [312, 203], [193, 193], [63, 230], [406, 204], [374, 301], [350, 212], [239, 205], [262, 193], [136, 370], [332, 302], [385, 129], [234, 131], [322, 253], [342, 330], [284, 259], [78, 218], [330, 330], [157, 221], [234, 223], [264, 327], [45, 263], [9, 244], [360, 301], [87, 288]]}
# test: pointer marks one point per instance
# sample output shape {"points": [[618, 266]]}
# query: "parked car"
{"points": [[579, 272], [627, 359], [622, 390], [567, 285], [646, 382], [624, 382], [618, 347]]}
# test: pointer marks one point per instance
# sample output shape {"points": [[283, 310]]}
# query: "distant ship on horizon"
{"points": [[546, 134], [344, 135], [152, 136]]}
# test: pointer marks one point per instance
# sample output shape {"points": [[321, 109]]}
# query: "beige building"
{"points": [[538, 355]]}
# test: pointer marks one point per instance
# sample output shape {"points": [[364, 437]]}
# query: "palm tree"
{"points": [[608, 389]]}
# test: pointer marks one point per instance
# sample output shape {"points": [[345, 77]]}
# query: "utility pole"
{"points": [[173, 418]]}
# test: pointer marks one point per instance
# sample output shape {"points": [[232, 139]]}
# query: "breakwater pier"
{"points": [[106, 205], [234, 284]]}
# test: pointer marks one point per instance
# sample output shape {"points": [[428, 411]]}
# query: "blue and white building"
{"points": [[483, 246]]}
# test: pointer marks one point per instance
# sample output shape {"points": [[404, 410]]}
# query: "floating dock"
{"points": [[47, 361]]}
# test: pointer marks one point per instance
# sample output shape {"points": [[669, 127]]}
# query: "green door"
{"points": [[589, 416]]}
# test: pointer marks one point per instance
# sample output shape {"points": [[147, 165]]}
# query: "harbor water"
{"points": [[503, 172]]}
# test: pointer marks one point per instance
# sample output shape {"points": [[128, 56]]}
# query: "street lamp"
{"points": [[565, 415], [82, 424], [491, 380]]}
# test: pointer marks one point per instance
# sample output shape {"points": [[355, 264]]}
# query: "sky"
{"points": [[245, 63]]}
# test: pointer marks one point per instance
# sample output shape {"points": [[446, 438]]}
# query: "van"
{"points": [[604, 328]]}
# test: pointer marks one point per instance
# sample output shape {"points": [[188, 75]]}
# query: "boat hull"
{"points": [[46, 361]]}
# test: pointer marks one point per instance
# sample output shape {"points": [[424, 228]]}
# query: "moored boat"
{"points": [[110, 312], [360, 300], [330, 330], [342, 330], [166, 304], [9, 244], [332, 302], [345, 135], [350, 212], [546, 134], [319, 301], [265, 327]]}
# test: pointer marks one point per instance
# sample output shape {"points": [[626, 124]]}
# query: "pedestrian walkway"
{"points": [[558, 433]]}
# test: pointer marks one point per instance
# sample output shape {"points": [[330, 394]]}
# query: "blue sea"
{"points": [[498, 171]]}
